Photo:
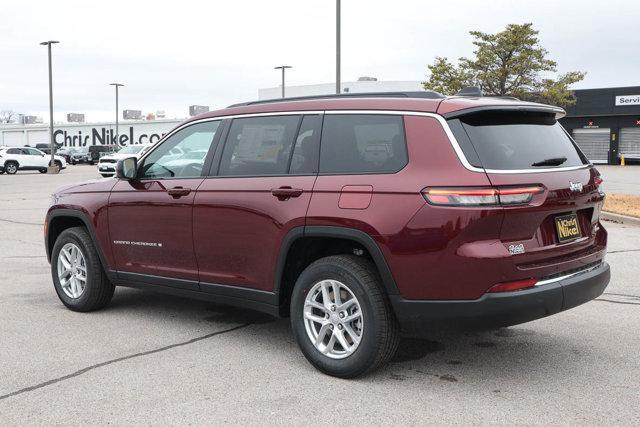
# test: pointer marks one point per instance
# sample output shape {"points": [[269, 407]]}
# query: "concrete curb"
{"points": [[620, 219]]}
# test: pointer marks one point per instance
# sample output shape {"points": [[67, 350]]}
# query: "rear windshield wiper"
{"points": [[554, 161]]}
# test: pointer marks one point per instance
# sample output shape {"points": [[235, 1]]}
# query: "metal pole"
{"points": [[51, 140], [117, 85], [282, 67], [117, 124], [338, 47], [53, 145]]}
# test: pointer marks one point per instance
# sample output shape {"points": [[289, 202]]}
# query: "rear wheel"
{"points": [[11, 168], [58, 164], [341, 317], [78, 277]]}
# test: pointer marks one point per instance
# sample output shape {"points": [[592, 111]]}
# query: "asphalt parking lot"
{"points": [[154, 359], [621, 180]]}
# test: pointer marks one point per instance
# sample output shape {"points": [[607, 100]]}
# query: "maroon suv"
{"points": [[360, 217]]}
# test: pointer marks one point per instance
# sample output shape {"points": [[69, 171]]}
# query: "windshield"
{"points": [[131, 149], [515, 140]]}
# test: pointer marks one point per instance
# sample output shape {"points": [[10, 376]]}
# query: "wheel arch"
{"points": [[59, 220], [298, 237]]}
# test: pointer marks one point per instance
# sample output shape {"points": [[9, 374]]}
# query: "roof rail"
{"points": [[416, 94], [470, 91]]}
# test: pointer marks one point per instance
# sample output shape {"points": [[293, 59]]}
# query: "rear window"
{"points": [[510, 141], [362, 143]]}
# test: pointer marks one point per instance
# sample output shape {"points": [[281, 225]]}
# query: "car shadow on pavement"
{"points": [[181, 309], [500, 355]]}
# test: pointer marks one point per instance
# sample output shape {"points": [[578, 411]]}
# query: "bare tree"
{"points": [[7, 116]]}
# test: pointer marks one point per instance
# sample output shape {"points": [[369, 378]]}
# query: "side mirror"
{"points": [[127, 168]]}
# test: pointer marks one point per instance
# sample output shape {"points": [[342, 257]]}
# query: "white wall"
{"points": [[85, 134], [330, 88]]}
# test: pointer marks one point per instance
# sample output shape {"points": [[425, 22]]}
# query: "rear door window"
{"points": [[510, 141], [259, 146], [362, 143]]}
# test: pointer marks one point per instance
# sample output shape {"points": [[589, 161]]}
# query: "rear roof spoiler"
{"points": [[541, 108]]}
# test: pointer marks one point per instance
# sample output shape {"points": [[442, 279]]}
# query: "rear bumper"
{"points": [[494, 310]]}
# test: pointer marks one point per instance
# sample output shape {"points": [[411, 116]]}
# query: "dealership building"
{"points": [[86, 134], [605, 123]]}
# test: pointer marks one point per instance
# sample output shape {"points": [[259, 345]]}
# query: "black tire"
{"points": [[380, 336], [98, 289], [58, 164], [42, 170], [11, 167]]}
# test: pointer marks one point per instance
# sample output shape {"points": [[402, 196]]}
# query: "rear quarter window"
{"points": [[515, 140], [362, 143]]}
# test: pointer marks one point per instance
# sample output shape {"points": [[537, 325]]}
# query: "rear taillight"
{"points": [[517, 285], [490, 196]]}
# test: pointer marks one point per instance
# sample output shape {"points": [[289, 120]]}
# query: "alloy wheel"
{"points": [[333, 319], [72, 270]]}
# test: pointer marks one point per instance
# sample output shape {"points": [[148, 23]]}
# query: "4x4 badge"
{"points": [[516, 249], [575, 186]]}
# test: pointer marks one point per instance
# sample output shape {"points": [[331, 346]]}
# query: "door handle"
{"points": [[177, 192], [286, 192]]}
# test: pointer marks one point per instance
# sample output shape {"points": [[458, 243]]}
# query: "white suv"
{"points": [[26, 158], [107, 163]]}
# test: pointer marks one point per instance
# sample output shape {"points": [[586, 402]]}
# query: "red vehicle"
{"points": [[361, 217]]}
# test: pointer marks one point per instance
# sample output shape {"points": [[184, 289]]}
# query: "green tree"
{"points": [[508, 63]]}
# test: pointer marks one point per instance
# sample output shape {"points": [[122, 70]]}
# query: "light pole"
{"points": [[117, 85], [338, 47], [52, 142], [282, 67]]}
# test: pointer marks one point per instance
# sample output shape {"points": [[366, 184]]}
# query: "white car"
{"points": [[26, 158], [107, 163]]}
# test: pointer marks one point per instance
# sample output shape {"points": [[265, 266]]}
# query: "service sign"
{"points": [[627, 100]]}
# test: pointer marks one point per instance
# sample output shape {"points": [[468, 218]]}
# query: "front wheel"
{"points": [[341, 317], [78, 277], [11, 168]]}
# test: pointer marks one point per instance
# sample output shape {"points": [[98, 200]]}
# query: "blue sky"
{"points": [[173, 54]]}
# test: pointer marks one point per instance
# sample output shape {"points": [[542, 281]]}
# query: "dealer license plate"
{"points": [[567, 227]]}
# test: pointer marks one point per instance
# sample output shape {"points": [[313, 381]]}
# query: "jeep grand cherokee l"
{"points": [[360, 217]]}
